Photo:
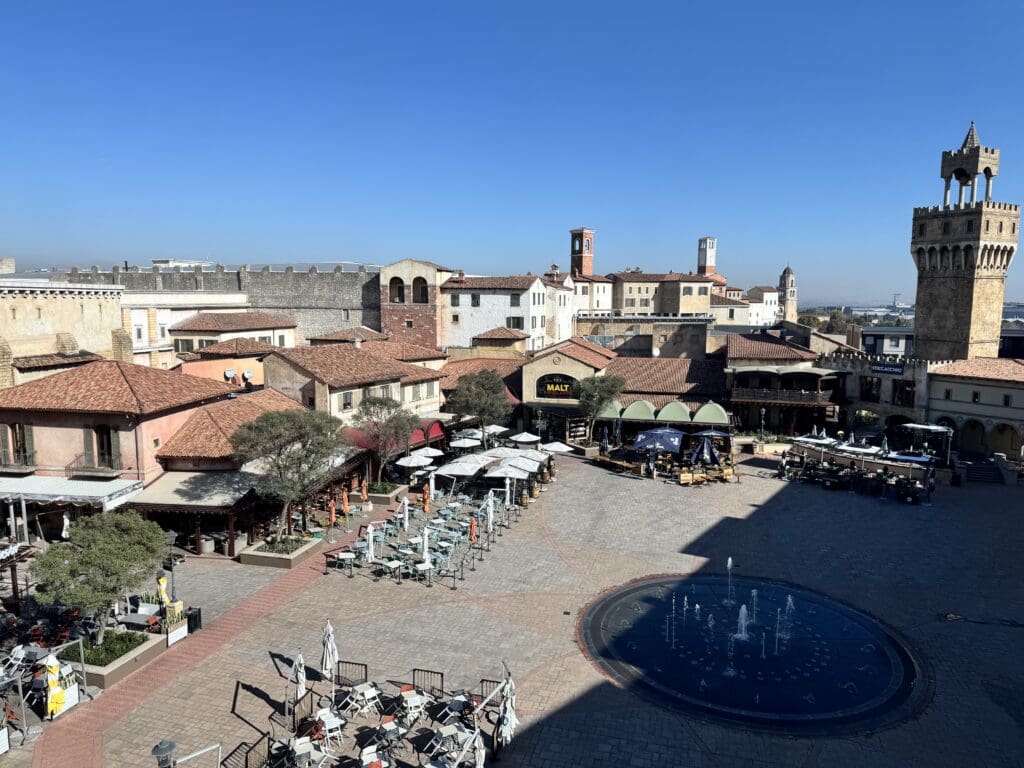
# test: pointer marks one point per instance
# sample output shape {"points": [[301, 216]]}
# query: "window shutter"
{"points": [[87, 439], [115, 447], [30, 444], [4, 444]]}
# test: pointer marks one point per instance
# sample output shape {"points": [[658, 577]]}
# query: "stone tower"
{"points": [[787, 295], [581, 251], [707, 254], [962, 252]]}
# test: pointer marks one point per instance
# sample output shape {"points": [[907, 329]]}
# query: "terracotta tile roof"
{"points": [[222, 322], [717, 278], [360, 332], [764, 346], [590, 279], [722, 301], [999, 368], [501, 333], [670, 376], [342, 365], [580, 349], [54, 360], [764, 289], [506, 283], [507, 368], [236, 348], [657, 277], [207, 433], [111, 386], [402, 350]]}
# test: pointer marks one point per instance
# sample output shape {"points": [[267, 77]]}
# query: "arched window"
{"points": [[586, 245], [419, 290], [576, 244], [396, 291]]}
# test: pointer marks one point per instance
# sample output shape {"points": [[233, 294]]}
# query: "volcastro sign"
{"points": [[891, 368], [557, 386]]}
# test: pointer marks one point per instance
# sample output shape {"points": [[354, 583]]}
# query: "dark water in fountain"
{"points": [[835, 667]]}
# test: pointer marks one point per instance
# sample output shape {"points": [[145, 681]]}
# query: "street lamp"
{"points": [[171, 538], [762, 424], [164, 753]]}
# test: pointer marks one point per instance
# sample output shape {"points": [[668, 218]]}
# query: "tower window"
{"points": [[1000, 227], [921, 229], [975, 396], [1007, 401], [948, 394], [986, 225], [1013, 228], [970, 226], [576, 244], [945, 227], [586, 244]]}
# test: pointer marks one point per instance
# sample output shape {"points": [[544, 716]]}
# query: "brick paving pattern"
{"points": [[909, 566]]}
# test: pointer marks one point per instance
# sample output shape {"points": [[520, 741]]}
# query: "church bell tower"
{"points": [[962, 252]]}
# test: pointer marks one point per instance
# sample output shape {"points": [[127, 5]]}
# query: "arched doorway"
{"points": [[1004, 438], [972, 437], [396, 291], [420, 292]]}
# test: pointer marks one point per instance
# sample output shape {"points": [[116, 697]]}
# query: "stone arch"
{"points": [[968, 257], [597, 330], [1005, 438], [972, 437], [922, 259], [957, 262], [396, 291], [933, 259], [420, 292], [944, 258]]}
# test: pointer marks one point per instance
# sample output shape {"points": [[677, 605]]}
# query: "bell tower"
{"points": [[962, 252], [581, 251], [707, 255], [787, 295]]}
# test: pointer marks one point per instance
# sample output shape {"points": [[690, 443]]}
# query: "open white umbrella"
{"points": [[369, 543], [414, 461], [465, 442], [494, 429], [507, 714], [556, 447], [476, 459], [458, 469], [430, 484], [524, 437], [502, 452], [535, 455], [430, 453], [299, 677], [515, 473], [329, 660], [521, 462]]}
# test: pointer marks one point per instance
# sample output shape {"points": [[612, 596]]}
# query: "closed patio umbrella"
{"points": [[369, 543], [524, 437], [426, 545], [508, 493], [329, 660], [405, 513], [362, 492], [490, 512], [430, 453], [344, 500], [507, 720], [414, 461], [299, 677]]}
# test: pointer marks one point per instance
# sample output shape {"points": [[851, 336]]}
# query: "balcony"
{"points": [[101, 466], [18, 463], [784, 396]]}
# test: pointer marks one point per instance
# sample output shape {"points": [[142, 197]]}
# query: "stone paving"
{"points": [[909, 566]]}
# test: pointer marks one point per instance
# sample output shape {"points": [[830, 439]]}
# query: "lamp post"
{"points": [[762, 424], [164, 753], [171, 538]]}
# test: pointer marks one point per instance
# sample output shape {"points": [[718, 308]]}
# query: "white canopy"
{"points": [[927, 428], [534, 455], [556, 447], [458, 469], [865, 450], [524, 437], [430, 453], [465, 442], [494, 429], [502, 452], [510, 472], [521, 462], [414, 461], [819, 441], [476, 459]]}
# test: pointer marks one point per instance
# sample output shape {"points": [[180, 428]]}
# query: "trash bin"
{"points": [[194, 617]]}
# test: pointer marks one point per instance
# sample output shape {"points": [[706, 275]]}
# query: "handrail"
{"points": [[780, 395], [98, 461]]}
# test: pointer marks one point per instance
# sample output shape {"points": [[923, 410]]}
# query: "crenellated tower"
{"points": [[963, 251]]}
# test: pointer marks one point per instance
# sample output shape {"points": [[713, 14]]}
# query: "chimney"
{"points": [[358, 343]]}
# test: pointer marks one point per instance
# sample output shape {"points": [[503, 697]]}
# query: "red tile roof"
{"points": [[581, 350], [54, 360], [223, 322], [111, 386], [656, 277], [670, 376], [578, 278], [402, 350], [342, 365], [502, 333], [722, 301], [207, 433], [360, 332], [998, 368], [236, 348], [764, 346], [506, 283], [454, 370]]}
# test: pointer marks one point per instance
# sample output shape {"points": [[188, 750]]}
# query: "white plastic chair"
{"points": [[15, 661]]}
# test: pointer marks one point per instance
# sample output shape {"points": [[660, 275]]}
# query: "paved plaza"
{"points": [[909, 566]]}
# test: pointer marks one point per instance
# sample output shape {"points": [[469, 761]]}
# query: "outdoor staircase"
{"points": [[983, 471]]}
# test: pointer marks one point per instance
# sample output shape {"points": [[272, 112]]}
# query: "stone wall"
{"points": [[318, 301]]}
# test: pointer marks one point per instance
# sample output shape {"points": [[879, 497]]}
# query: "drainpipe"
{"points": [[138, 461]]}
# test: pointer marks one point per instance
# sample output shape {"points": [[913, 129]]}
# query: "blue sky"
{"points": [[478, 133]]}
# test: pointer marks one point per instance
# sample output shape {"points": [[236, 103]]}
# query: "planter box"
{"points": [[384, 499], [117, 670], [588, 452], [270, 560]]}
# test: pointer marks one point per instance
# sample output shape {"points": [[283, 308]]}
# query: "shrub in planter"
{"points": [[382, 487], [115, 645], [283, 546]]}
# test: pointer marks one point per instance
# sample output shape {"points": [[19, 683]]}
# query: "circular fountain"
{"points": [[754, 652]]}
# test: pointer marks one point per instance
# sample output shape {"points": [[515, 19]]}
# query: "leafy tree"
{"points": [[810, 320], [481, 394], [836, 322], [388, 426], [105, 555], [596, 393], [296, 447]]}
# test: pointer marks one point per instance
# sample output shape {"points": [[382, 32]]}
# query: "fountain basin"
{"points": [[831, 668]]}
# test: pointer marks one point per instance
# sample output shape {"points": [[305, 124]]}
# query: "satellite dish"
{"points": [[247, 375], [229, 373], [655, 352]]}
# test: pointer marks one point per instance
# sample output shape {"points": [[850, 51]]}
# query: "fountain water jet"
{"points": [[731, 598], [753, 606], [741, 625]]}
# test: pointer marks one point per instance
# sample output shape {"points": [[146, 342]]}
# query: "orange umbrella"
{"points": [[362, 493], [344, 499], [472, 529], [332, 509]]}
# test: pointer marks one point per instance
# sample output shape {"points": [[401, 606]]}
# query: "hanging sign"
{"points": [[557, 386]]}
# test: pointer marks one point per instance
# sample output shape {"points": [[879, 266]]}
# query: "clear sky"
{"points": [[477, 133]]}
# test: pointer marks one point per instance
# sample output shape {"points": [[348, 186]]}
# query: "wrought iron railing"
{"points": [[780, 395], [84, 463], [18, 459]]}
